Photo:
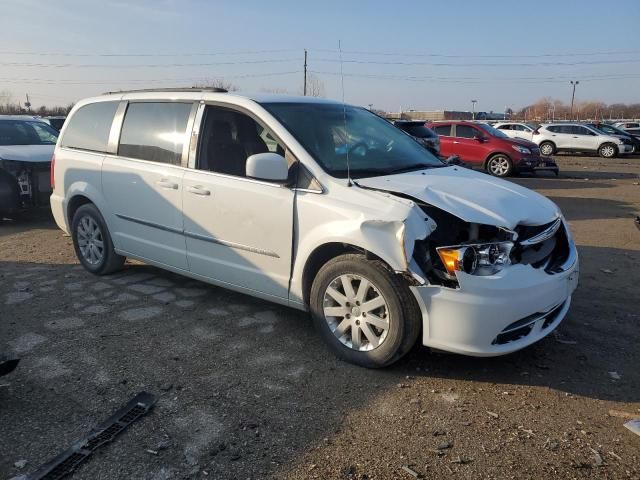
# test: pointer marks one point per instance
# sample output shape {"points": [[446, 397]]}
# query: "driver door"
{"points": [[238, 230]]}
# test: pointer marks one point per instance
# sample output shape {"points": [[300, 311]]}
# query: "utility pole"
{"points": [[573, 95], [28, 103], [473, 107], [305, 73]]}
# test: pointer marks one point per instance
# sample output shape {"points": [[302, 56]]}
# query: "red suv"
{"points": [[479, 144]]}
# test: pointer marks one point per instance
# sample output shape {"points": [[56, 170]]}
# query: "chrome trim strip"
{"points": [[199, 236], [307, 190], [226, 243], [544, 235], [150, 224]]}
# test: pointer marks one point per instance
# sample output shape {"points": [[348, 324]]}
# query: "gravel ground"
{"points": [[247, 389]]}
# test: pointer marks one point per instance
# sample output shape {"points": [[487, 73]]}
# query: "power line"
{"points": [[135, 55], [431, 64], [470, 80], [440, 55], [138, 65]]}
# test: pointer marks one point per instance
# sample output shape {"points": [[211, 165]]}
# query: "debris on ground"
{"points": [[411, 471], [614, 375], [492, 414], [66, 462], [606, 270], [20, 464], [462, 461], [7, 365], [621, 414], [634, 426], [444, 446], [597, 458]]}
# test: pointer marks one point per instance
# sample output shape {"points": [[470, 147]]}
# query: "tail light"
{"points": [[52, 172]]}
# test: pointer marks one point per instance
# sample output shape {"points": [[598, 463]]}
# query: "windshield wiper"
{"points": [[419, 166]]}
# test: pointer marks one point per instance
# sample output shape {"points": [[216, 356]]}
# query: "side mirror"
{"points": [[480, 138], [267, 166]]}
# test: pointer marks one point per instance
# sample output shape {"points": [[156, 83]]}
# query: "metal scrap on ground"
{"points": [[66, 462]]}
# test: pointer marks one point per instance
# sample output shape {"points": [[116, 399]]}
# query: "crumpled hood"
{"points": [[27, 153], [472, 196]]}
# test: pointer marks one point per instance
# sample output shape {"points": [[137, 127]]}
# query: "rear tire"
{"points": [[92, 242], [372, 321], [547, 148], [607, 150], [499, 165]]}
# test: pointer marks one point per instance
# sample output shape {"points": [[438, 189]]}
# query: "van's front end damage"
{"points": [[492, 296], [495, 281]]}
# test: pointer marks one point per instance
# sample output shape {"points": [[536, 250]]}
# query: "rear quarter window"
{"points": [[155, 131], [442, 130], [89, 127]]}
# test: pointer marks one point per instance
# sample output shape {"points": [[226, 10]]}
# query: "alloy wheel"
{"points": [[90, 240], [499, 166], [608, 151], [546, 149], [356, 312]]}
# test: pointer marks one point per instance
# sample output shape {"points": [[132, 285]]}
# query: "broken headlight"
{"points": [[479, 259]]}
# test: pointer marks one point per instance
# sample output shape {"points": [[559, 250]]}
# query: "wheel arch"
{"points": [[325, 252]]}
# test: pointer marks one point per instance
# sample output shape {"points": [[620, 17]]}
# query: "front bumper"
{"points": [[498, 314], [624, 149], [547, 164]]}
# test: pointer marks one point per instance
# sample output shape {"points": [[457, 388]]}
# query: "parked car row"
{"points": [[603, 139]]}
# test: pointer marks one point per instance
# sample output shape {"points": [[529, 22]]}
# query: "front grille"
{"points": [[523, 327], [548, 254]]}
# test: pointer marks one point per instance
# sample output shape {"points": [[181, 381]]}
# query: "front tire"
{"points": [[607, 150], [364, 311], [92, 242], [499, 166]]}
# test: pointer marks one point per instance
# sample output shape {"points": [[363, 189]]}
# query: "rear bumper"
{"points": [[498, 314], [58, 209]]}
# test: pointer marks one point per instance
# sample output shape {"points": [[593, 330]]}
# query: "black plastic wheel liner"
{"points": [[66, 462]]}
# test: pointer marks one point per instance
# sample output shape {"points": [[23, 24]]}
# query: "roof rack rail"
{"points": [[174, 89]]}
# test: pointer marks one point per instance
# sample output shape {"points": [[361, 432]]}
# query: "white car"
{"points": [[517, 129], [26, 147], [316, 205], [575, 137]]}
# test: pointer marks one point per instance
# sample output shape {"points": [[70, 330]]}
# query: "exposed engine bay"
{"points": [[477, 249], [23, 184]]}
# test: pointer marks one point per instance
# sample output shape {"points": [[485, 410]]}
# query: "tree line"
{"points": [[549, 109]]}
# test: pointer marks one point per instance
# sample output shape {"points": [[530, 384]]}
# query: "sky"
{"points": [[421, 55]]}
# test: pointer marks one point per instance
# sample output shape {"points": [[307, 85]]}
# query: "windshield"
{"points": [[608, 129], [492, 131], [21, 132], [418, 130], [333, 132]]}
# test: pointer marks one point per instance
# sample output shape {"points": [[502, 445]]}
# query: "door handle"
{"points": [[456, 142], [198, 190], [164, 183]]}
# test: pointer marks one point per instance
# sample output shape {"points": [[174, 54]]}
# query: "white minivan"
{"points": [[317, 205]]}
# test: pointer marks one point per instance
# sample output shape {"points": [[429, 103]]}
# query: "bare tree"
{"points": [[315, 87], [217, 83]]}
